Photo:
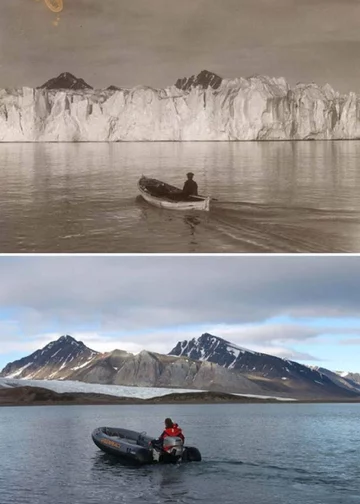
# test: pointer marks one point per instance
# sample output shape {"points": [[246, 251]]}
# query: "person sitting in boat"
{"points": [[171, 430], [190, 187]]}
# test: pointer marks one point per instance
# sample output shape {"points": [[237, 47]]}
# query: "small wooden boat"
{"points": [[164, 195]]}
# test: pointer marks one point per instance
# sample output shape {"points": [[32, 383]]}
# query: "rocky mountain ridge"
{"points": [[268, 371], [67, 359], [57, 360], [207, 363]]}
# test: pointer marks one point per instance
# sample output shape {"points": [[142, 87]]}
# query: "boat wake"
{"points": [[233, 227], [244, 227]]}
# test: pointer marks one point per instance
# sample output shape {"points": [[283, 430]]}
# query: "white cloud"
{"points": [[129, 293], [164, 341], [350, 341], [153, 302]]}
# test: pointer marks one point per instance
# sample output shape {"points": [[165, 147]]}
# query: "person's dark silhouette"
{"points": [[190, 187]]}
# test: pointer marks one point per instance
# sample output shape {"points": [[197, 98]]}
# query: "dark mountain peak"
{"points": [[66, 80], [65, 341], [66, 338], [204, 80], [61, 354], [68, 76], [204, 339], [113, 88], [209, 348], [207, 336], [211, 339]]}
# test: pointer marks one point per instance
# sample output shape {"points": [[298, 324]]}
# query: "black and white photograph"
{"points": [[200, 126]]}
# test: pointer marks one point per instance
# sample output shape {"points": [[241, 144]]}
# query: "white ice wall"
{"points": [[258, 108]]}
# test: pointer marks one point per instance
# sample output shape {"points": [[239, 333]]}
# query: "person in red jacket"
{"points": [[171, 429]]}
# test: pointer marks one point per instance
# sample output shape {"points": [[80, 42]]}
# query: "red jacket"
{"points": [[173, 431]]}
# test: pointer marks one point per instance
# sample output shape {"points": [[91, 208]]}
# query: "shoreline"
{"points": [[37, 396], [278, 140]]}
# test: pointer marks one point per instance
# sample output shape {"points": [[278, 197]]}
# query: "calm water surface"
{"points": [[252, 454], [272, 197]]}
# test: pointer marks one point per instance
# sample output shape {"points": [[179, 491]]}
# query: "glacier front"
{"points": [[255, 108]]}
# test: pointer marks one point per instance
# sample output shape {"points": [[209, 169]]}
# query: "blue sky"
{"points": [[305, 308]]}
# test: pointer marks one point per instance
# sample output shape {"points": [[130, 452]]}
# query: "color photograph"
{"points": [[248, 385]]}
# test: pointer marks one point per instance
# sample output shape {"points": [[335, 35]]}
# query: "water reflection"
{"points": [[163, 483], [272, 197]]}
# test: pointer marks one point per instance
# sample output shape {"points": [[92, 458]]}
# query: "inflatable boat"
{"points": [[138, 448]]}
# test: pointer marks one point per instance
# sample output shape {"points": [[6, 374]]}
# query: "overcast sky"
{"points": [[153, 42], [304, 308]]}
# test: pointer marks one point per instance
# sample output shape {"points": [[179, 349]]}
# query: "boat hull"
{"points": [[162, 195], [135, 447]]}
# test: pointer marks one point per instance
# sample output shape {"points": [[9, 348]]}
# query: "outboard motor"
{"points": [[173, 447]]}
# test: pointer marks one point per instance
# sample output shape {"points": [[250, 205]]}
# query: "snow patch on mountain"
{"points": [[19, 371], [82, 365]]}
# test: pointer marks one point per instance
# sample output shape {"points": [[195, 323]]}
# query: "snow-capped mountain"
{"points": [[68, 359], [207, 363], [57, 360], [203, 107], [268, 371]]}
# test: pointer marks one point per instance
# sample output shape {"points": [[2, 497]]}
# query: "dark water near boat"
{"points": [[253, 454], [273, 197]]}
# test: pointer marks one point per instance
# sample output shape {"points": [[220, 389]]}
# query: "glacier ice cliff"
{"points": [[255, 108]]}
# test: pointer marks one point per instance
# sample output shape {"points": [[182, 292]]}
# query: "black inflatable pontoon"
{"points": [[137, 447]]}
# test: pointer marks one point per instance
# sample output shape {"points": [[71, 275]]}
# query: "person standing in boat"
{"points": [[190, 187]]}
